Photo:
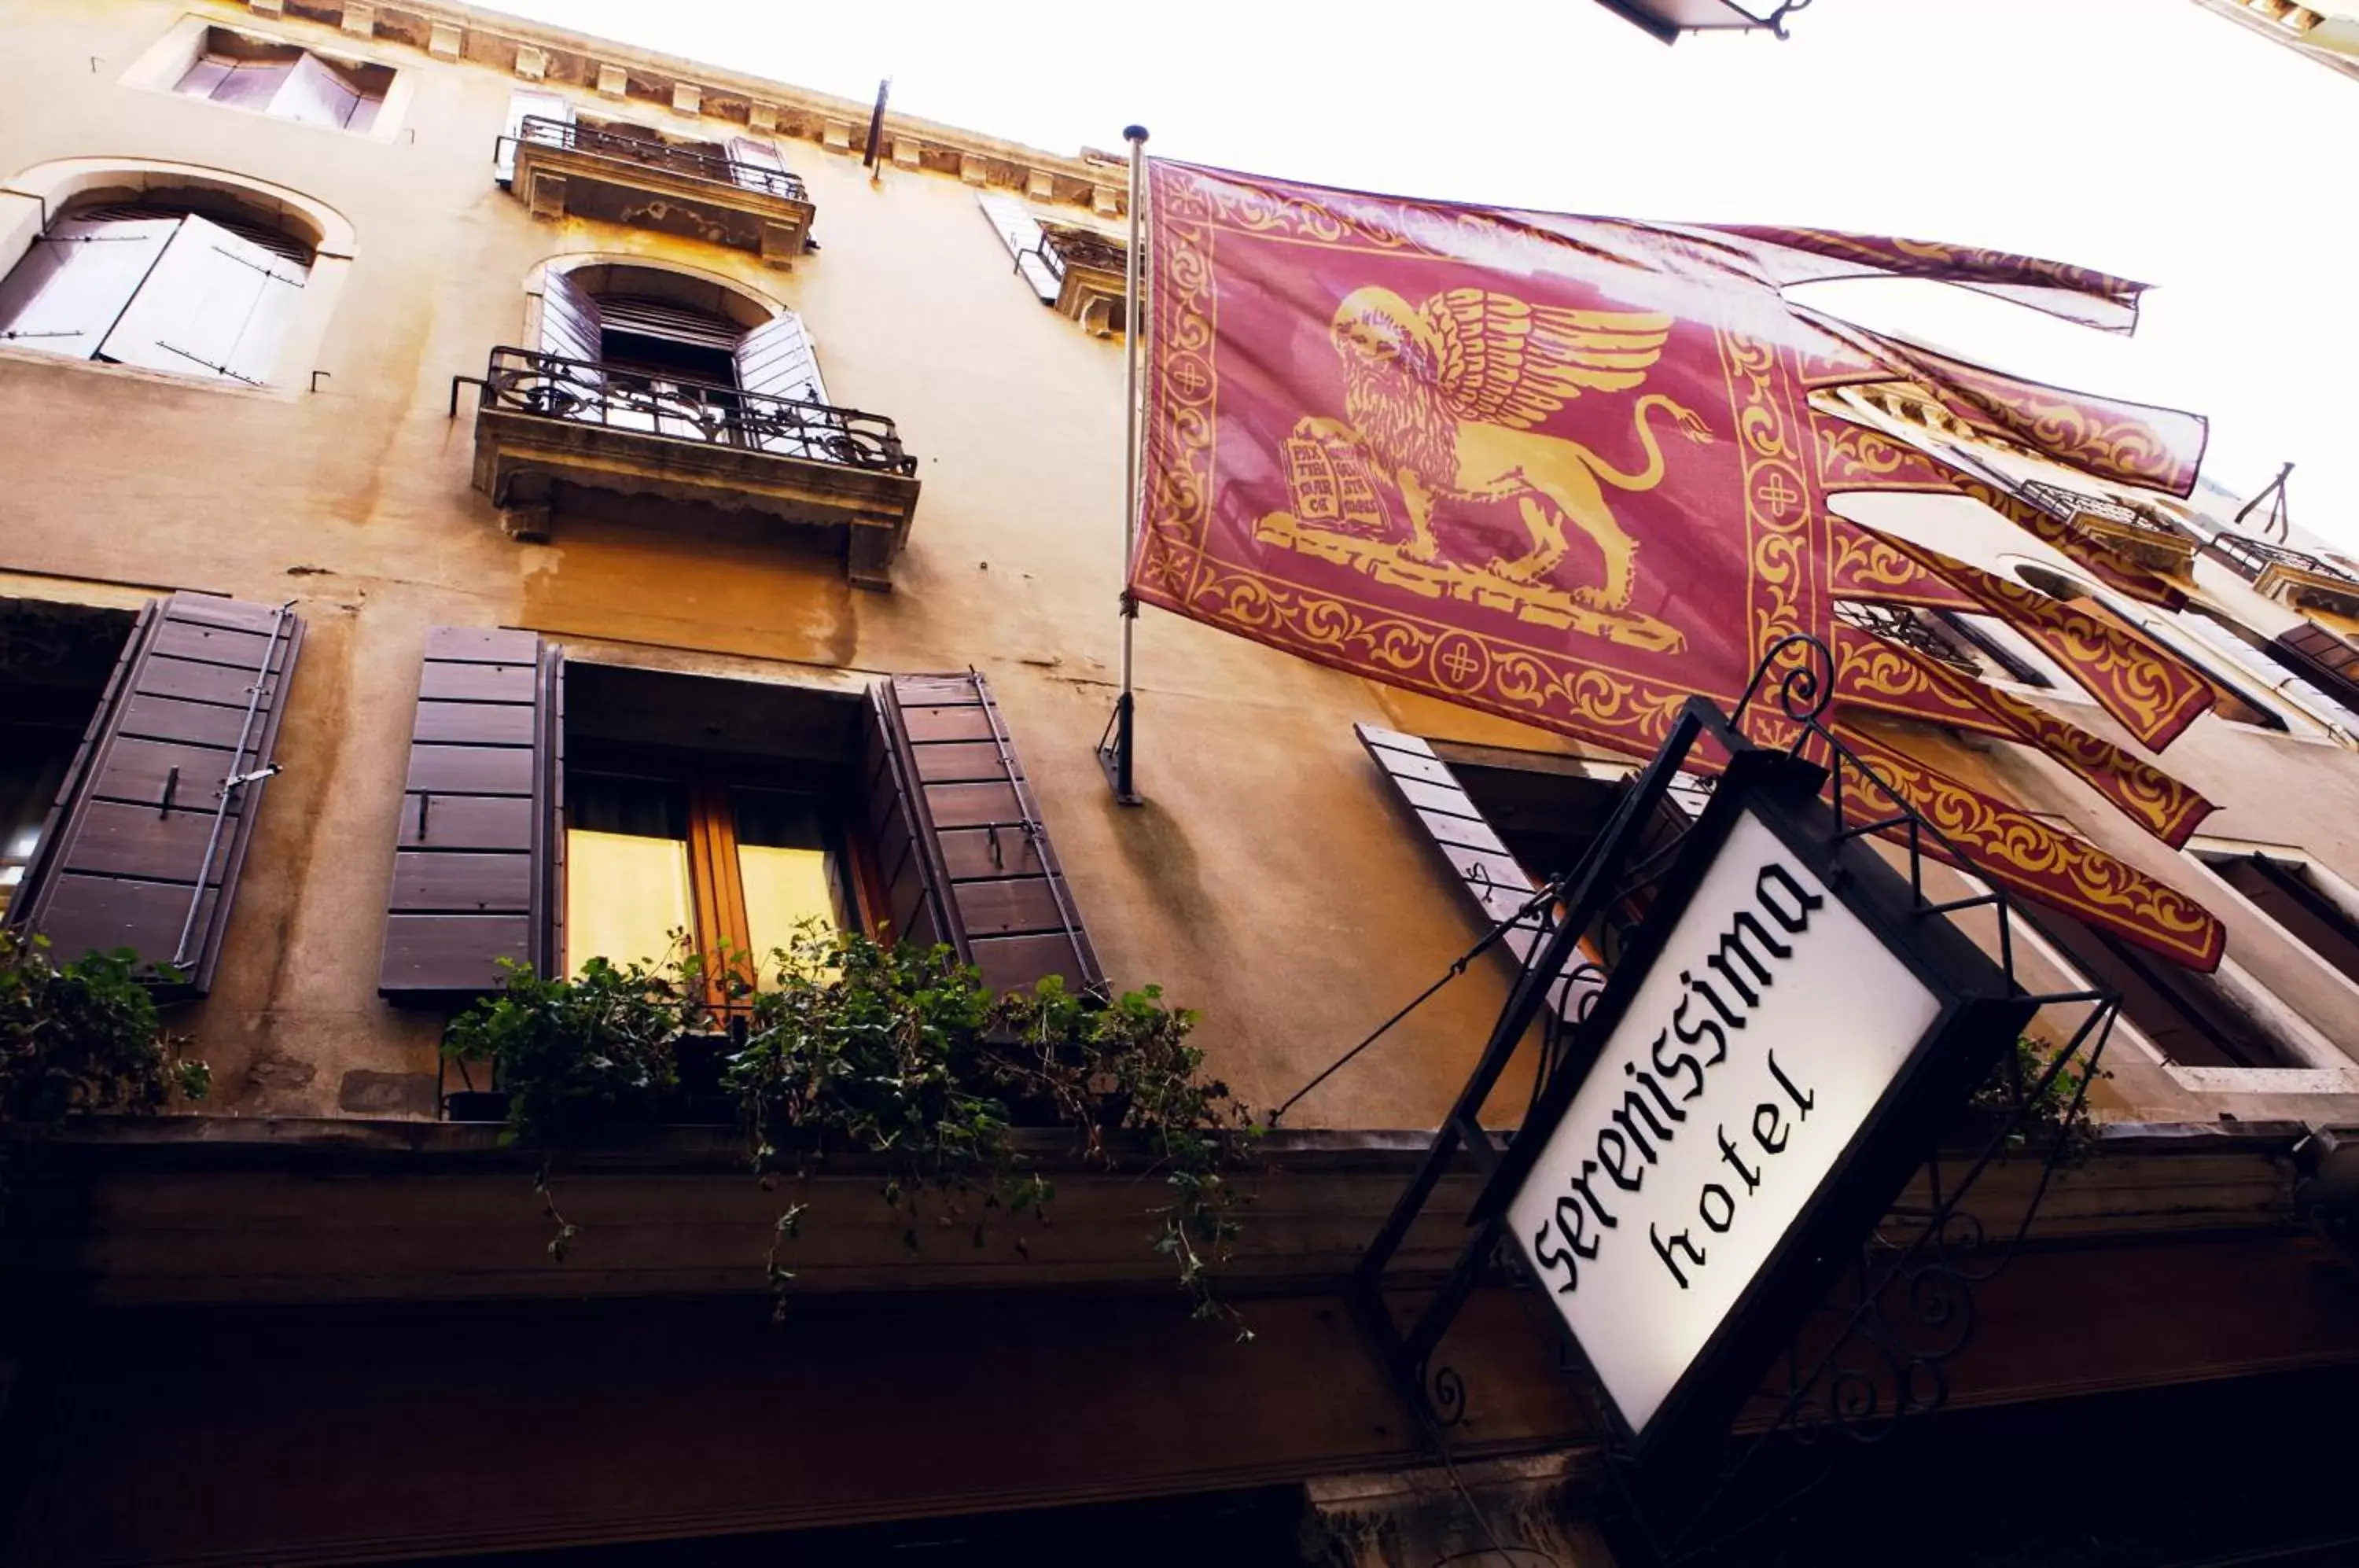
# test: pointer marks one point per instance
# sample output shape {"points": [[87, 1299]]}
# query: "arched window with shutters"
{"points": [[650, 349], [190, 283]]}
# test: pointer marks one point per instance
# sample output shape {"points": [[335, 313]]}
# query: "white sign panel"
{"points": [[1749, 1058]]}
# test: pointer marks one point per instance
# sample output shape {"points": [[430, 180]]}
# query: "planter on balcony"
{"points": [[684, 448], [562, 170]]}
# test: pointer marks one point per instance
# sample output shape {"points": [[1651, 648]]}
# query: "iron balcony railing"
{"points": [[2066, 505], [579, 390], [2252, 557], [702, 163]]}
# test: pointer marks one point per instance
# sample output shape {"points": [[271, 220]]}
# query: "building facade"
{"points": [[478, 492]]}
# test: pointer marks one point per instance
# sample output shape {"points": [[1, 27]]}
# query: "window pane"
{"points": [[785, 866], [625, 868], [33, 761]]}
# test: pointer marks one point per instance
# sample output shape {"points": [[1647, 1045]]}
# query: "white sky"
{"points": [[2146, 138]]}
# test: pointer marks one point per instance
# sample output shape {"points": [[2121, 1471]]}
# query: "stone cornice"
{"points": [[728, 100]]}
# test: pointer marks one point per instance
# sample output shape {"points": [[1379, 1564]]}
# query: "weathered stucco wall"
{"points": [[1269, 881]]}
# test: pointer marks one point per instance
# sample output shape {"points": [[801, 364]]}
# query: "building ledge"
{"points": [[190, 1209], [837, 476], [569, 171]]}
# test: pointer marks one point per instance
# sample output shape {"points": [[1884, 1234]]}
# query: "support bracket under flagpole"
{"points": [[1116, 749]]}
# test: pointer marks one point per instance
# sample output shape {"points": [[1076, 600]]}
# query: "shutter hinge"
{"points": [[239, 780]]}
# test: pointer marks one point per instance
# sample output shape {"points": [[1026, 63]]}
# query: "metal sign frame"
{"points": [[1695, 1480]]}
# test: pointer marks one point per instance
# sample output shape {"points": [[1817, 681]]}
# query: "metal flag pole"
{"points": [[1114, 749]]}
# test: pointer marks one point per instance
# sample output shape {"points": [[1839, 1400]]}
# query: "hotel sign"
{"points": [[1762, 1075]]}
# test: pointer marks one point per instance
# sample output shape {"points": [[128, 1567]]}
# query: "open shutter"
{"points": [[570, 327], [960, 842], [522, 104], [212, 301], [153, 826], [776, 358], [478, 857], [315, 93], [758, 166], [73, 283], [1020, 232], [2326, 660], [1491, 876]]}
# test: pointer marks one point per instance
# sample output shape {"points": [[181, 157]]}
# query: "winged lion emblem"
{"points": [[1443, 399]]}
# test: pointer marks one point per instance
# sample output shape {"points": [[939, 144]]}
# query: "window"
{"points": [[712, 808], [1981, 647], [2258, 659], [159, 284], [54, 662], [2290, 893], [286, 81], [2192, 1019], [2238, 703]]}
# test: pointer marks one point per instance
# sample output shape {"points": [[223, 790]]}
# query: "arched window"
{"points": [[191, 283], [646, 349]]}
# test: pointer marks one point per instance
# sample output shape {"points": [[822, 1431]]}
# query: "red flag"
{"points": [[1884, 677], [1562, 469]]}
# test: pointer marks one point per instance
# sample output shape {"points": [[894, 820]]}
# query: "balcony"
{"points": [[836, 476], [2294, 578], [2127, 530], [563, 169], [1090, 270]]}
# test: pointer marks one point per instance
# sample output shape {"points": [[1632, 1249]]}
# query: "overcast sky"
{"points": [[2147, 137]]}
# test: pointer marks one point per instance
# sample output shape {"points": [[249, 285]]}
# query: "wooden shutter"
{"points": [[151, 829], [526, 103], [959, 842], [571, 326], [69, 288], [2186, 1016], [776, 358], [315, 94], [214, 301], [1020, 232], [478, 859], [1477, 857], [2329, 661], [757, 159], [2283, 891]]}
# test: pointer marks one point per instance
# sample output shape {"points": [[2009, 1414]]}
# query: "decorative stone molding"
{"points": [[836, 134], [268, 8], [359, 20], [447, 41], [613, 81], [531, 63], [762, 118], [1104, 203], [687, 98], [909, 152], [974, 170], [1040, 185]]}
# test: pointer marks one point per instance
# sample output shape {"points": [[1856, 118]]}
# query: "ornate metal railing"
{"points": [[2064, 504], [702, 163], [2252, 557], [523, 381]]}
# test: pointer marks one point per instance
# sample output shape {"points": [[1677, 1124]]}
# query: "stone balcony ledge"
{"points": [[568, 170]]}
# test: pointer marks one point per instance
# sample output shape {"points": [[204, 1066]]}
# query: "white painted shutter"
{"points": [[314, 94], [212, 303], [759, 159], [1021, 235], [776, 358], [524, 101], [73, 284]]}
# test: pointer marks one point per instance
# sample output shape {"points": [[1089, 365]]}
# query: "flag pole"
{"points": [[1114, 749]]}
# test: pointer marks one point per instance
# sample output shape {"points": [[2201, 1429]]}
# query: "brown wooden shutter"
{"points": [[478, 857], [960, 843], [149, 833], [1478, 858], [2326, 660], [2282, 891]]}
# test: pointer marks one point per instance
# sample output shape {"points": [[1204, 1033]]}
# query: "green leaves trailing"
{"points": [[848, 1046], [77, 1039]]}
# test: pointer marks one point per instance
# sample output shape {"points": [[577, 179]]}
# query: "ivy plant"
{"points": [[848, 1046], [80, 1038]]}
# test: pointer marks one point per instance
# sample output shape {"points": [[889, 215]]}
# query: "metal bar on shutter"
{"points": [[1084, 961], [239, 776]]}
